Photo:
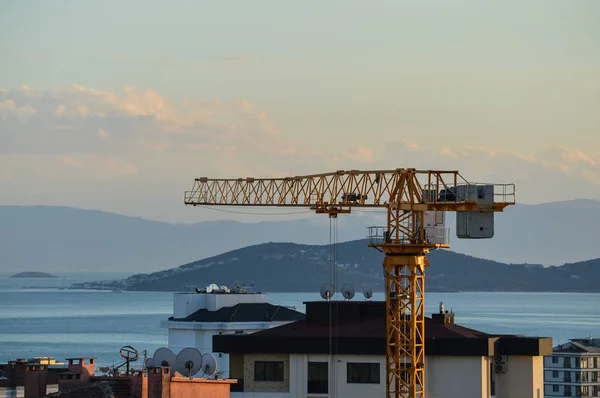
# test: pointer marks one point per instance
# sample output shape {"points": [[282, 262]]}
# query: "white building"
{"points": [[573, 370], [197, 316], [346, 358]]}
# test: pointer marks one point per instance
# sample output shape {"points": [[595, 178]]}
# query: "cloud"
{"points": [[93, 140], [121, 168], [74, 121], [10, 109], [69, 161], [572, 163], [444, 150], [360, 154], [410, 144]]}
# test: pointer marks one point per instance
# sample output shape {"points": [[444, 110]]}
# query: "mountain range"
{"points": [[291, 267], [63, 239]]}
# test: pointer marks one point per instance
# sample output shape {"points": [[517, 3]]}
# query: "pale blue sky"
{"points": [[507, 90]]}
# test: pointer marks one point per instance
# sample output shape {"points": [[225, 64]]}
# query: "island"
{"points": [[33, 274]]}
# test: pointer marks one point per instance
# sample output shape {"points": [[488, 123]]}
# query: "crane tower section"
{"points": [[416, 201]]}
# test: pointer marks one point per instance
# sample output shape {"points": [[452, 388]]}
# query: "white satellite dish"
{"points": [[368, 292], [348, 291], [164, 357], [326, 292], [188, 362], [209, 364], [149, 363]]}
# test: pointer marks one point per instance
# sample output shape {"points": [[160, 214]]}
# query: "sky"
{"points": [[118, 106]]}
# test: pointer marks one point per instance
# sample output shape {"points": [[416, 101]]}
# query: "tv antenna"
{"points": [[348, 291], [164, 357], [188, 362], [326, 292], [129, 354], [209, 364], [367, 292]]}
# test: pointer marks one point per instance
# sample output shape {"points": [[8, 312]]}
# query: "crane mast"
{"points": [[408, 195]]}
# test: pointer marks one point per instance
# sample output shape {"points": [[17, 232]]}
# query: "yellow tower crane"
{"points": [[415, 200]]}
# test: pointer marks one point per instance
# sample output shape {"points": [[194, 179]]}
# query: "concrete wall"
{"points": [[524, 378], [186, 388], [266, 386], [457, 377], [446, 377]]}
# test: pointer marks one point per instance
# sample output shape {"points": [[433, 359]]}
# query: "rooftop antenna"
{"points": [[129, 354], [209, 364], [367, 292], [164, 357], [326, 292], [348, 291], [188, 362]]}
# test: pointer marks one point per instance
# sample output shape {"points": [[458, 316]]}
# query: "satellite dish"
{"points": [[326, 292], [164, 357], [368, 292], [149, 363], [348, 291], [209, 364], [188, 362]]}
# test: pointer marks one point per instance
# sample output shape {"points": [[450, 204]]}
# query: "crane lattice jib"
{"points": [[406, 189], [407, 194]]}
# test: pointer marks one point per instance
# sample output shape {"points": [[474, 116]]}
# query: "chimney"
{"points": [[159, 382], [139, 384], [443, 317], [36, 381]]}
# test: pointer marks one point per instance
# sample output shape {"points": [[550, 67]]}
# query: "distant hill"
{"points": [[62, 239], [33, 274], [275, 267]]}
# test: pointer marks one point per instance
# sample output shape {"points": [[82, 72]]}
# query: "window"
{"points": [[492, 379], [363, 372], [555, 374], [554, 359], [317, 378], [555, 388], [567, 391], [567, 363], [268, 371]]}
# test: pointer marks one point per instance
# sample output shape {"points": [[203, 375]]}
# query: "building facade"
{"points": [[198, 316], [346, 357], [573, 369]]}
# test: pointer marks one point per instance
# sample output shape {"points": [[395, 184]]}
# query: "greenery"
{"points": [[33, 274], [277, 267]]}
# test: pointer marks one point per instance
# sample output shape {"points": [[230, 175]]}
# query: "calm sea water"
{"points": [[36, 321]]}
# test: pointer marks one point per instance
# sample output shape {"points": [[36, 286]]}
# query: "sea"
{"points": [[41, 317]]}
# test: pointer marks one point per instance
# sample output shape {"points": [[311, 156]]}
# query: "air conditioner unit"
{"points": [[501, 368], [500, 358]]}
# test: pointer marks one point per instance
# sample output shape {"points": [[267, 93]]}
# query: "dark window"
{"points": [[555, 388], [567, 391], [554, 359], [492, 379], [268, 371], [363, 373], [317, 377], [555, 374]]}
